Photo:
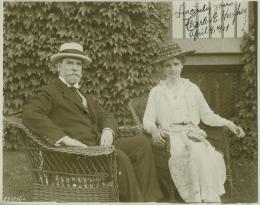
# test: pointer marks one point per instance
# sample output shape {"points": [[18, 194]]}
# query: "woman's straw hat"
{"points": [[170, 50]]}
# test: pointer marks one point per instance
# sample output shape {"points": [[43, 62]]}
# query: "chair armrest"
{"points": [[129, 131], [217, 136], [88, 151]]}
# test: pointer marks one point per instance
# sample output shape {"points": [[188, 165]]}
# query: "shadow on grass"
{"points": [[17, 179]]}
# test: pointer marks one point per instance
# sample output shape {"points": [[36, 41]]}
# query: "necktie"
{"points": [[83, 99]]}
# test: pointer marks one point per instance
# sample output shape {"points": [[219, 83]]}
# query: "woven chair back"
{"points": [[137, 108]]}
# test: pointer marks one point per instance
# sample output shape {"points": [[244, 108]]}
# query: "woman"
{"points": [[175, 107]]}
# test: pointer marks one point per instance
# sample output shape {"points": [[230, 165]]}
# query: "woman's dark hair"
{"points": [[181, 58]]}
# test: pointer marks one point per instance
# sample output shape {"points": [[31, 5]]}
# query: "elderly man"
{"points": [[64, 116]]}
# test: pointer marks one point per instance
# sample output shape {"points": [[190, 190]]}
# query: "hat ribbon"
{"points": [[75, 51]]}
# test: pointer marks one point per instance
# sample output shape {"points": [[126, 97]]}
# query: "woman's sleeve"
{"points": [[150, 114], [207, 115]]}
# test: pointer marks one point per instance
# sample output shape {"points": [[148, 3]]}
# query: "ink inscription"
{"points": [[214, 19]]}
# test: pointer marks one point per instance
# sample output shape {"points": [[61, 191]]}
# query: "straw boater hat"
{"points": [[73, 50], [170, 50]]}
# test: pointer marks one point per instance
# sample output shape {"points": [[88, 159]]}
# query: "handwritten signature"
{"points": [[209, 24], [13, 198]]}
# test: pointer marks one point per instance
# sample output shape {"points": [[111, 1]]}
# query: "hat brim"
{"points": [[86, 60], [172, 56]]}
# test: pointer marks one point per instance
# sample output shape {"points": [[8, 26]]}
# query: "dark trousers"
{"points": [[138, 180]]}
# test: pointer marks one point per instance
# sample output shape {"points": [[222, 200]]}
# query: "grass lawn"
{"points": [[17, 180]]}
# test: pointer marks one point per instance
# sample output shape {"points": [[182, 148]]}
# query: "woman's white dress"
{"points": [[197, 169]]}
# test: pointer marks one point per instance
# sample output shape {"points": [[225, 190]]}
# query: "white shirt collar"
{"points": [[76, 85]]}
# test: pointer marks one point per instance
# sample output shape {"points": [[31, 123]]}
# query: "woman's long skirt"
{"points": [[197, 169]]}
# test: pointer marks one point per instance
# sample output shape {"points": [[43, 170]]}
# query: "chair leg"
{"points": [[230, 187]]}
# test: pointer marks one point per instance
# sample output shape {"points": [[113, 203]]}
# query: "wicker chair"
{"points": [[67, 174], [216, 135]]}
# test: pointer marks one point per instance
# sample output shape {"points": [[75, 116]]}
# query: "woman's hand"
{"points": [[238, 131], [157, 135]]}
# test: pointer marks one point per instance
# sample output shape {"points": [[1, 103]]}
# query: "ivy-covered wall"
{"points": [[120, 37], [247, 108]]}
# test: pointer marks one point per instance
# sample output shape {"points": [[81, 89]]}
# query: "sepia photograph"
{"points": [[130, 101]]}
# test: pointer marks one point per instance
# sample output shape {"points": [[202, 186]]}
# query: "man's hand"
{"points": [[67, 141], [238, 131], [157, 135], [106, 137]]}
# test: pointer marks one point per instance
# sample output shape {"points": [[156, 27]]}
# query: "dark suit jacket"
{"points": [[56, 111]]}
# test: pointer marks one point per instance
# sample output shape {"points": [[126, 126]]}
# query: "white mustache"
{"points": [[78, 75]]}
